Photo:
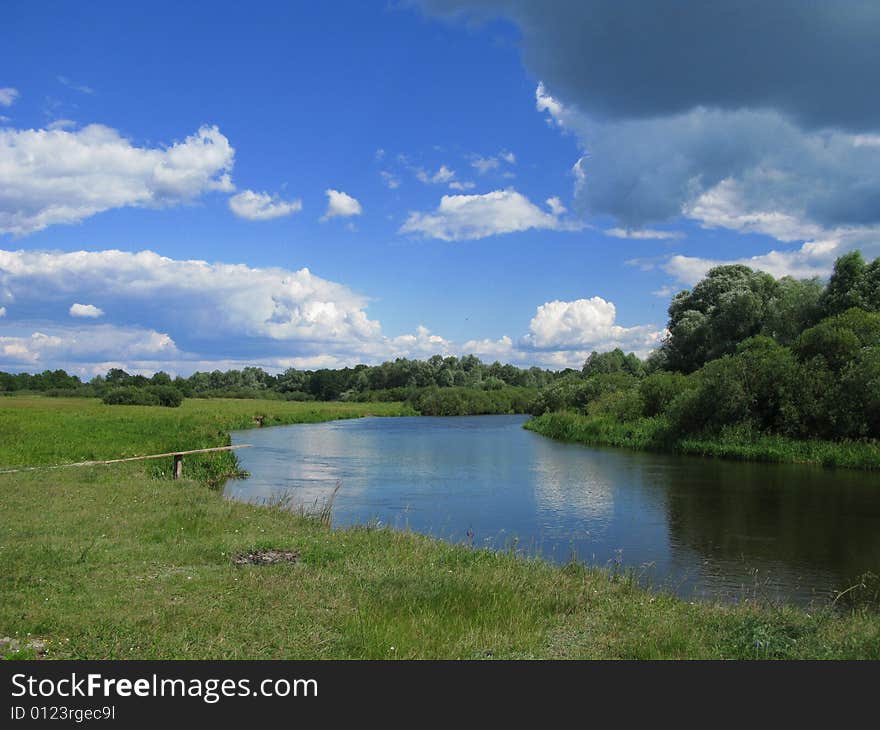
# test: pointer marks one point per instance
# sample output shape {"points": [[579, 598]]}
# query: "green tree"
{"points": [[659, 389], [838, 339], [794, 307], [844, 288], [615, 361], [728, 306]]}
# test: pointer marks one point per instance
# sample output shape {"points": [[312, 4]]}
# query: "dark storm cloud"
{"points": [[815, 60], [755, 115]]}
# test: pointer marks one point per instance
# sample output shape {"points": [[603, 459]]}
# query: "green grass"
{"points": [[122, 562], [733, 443], [45, 431]]}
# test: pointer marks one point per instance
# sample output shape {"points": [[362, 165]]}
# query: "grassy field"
{"points": [[122, 562], [36, 430], [648, 434]]}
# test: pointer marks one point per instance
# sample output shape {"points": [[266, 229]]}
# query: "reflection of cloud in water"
{"points": [[300, 466], [306, 471], [569, 490], [600, 505]]}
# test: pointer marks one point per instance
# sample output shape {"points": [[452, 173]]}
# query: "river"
{"points": [[702, 528]]}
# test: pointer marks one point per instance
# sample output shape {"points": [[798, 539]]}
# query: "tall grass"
{"points": [[743, 444]]}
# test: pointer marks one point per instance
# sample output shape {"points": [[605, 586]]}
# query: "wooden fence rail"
{"points": [[176, 455]]}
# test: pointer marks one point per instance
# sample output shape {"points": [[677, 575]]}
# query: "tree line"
{"points": [[437, 386]]}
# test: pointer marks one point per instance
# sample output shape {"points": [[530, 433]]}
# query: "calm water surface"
{"points": [[703, 528]]}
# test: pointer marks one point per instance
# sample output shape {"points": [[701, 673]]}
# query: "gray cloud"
{"points": [[755, 116], [815, 60], [655, 169]]}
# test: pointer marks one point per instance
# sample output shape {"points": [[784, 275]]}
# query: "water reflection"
{"points": [[700, 527]]}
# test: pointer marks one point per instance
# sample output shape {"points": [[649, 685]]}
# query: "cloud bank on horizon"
{"points": [[179, 316]]}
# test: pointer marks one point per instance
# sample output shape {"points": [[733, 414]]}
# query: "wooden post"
{"points": [[178, 466]]}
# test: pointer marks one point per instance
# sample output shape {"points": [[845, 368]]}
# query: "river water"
{"points": [[702, 528]]}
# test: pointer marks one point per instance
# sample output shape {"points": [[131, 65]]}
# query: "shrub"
{"points": [[838, 339], [622, 405], [856, 406], [615, 361], [128, 396], [758, 386], [155, 395], [659, 390], [720, 398], [168, 395], [460, 401], [573, 392], [771, 375]]}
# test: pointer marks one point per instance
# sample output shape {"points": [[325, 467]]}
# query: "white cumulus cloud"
{"points": [[58, 176], [463, 217], [85, 310], [562, 334], [502, 349], [814, 258], [544, 102], [255, 206], [202, 297], [340, 205], [586, 324]]}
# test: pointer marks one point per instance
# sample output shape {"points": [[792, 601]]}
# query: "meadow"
{"points": [[47, 431], [121, 561]]}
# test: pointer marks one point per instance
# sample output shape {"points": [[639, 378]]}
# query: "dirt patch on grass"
{"points": [[266, 557], [10, 647]]}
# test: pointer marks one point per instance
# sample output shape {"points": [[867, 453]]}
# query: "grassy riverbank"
{"points": [[649, 434], [122, 562]]}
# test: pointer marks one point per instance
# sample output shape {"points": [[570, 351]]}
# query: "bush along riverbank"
{"points": [[120, 561], [740, 443]]}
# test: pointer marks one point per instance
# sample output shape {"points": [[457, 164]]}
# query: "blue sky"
{"points": [[491, 177]]}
